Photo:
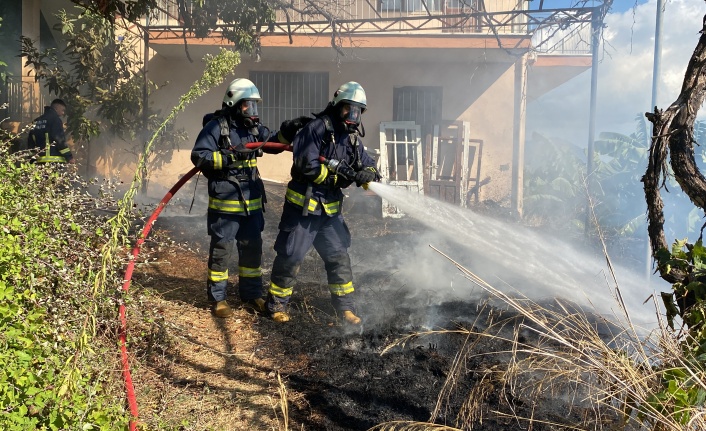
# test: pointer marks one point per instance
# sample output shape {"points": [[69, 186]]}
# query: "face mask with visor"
{"points": [[352, 118], [248, 108], [246, 114]]}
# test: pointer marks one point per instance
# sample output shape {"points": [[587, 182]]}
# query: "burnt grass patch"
{"points": [[418, 356]]}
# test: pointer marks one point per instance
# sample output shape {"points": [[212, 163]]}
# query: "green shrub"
{"points": [[56, 372]]}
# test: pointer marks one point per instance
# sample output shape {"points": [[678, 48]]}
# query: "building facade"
{"points": [[447, 82]]}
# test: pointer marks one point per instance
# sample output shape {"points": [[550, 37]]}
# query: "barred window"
{"points": [[287, 95]]}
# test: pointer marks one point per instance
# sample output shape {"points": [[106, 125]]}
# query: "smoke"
{"points": [[624, 73], [509, 257]]}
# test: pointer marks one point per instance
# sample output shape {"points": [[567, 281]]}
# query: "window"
{"points": [[419, 104], [287, 95], [410, 5]]}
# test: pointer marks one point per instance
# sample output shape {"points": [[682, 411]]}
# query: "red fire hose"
{"points": [[129, 388]]}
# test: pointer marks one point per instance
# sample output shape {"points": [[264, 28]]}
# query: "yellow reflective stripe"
{"points": [[64, 151], [322, 175], [51, 159], [216, 276], [298, 199], [341, 289], [281, 292], [332, 207], [234, 206], [244, 271], [217, 160], [281, 139], [251, 163]]}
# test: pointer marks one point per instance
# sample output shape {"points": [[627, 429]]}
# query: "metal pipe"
{"points": [[656, 71], [596, 25]]}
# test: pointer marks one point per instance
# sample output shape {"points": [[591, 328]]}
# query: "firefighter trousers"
{"points": [[331, 238], [225, 230]]}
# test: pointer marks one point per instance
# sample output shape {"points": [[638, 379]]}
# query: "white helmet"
{"points": [[240, 89], [351, 92]]}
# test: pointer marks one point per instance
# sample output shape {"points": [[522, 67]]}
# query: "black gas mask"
{"points": [[245, 115], [351, 114]]}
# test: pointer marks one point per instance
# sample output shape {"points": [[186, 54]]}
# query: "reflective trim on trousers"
{"points": [[281, 292], [244, 271], [341, 289], [216, 276]]}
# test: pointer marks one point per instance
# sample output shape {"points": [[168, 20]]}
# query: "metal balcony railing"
{"points": [[575, 39], [557, 31]]}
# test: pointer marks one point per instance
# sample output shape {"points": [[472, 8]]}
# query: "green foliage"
{"points": [[59, 257], [682, 390], [3, 65], [682, 394], [555, 193], [131, 10], [552, 193], [240, 20], [618, 164], [49, 231], [217, 68], [93, 69], [689, 294], [100, 78]]}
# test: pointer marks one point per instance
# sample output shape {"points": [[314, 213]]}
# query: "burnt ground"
{"points": [[193, 371]]}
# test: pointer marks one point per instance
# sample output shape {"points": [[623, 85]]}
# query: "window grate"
{"points": [[287, 95]]}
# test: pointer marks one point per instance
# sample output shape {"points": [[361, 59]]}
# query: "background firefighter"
{"points": [[47, 138], [328, 157], [236, 193]]}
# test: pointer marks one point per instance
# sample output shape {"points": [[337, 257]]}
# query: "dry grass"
{"points": [[192, 371], [283, 415], [608, 381], [411, 426]]}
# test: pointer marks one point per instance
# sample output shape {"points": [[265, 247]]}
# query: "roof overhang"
{"points": [[386, 47], [550, 71]]}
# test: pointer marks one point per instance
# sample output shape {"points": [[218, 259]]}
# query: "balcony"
{"points": [[552, 31]]}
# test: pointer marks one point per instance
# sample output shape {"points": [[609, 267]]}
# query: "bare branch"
{"points": [[674, 134]]}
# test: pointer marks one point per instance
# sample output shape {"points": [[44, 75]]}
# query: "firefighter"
{"points": [[236, 193], [47, 137], [311, 215]]}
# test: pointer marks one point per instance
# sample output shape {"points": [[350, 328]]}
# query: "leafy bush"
{"points": [[58, 372]]}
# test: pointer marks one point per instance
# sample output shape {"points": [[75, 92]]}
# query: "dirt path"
{"points": [[197, 372]]}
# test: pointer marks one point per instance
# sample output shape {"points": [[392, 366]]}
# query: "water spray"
{"points": [[538, 266]]}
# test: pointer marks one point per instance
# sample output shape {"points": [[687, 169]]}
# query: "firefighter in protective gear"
{"points": [[236, 194], [311, 214], [47, 137]]}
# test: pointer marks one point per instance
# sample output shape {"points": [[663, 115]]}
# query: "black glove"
{"points": [[289, 128], [364, 177]]}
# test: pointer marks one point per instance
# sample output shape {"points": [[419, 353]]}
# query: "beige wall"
{"points": [[479, 93]]}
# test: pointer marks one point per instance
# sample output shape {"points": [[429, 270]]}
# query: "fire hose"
{"points": [[122, 335]]}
